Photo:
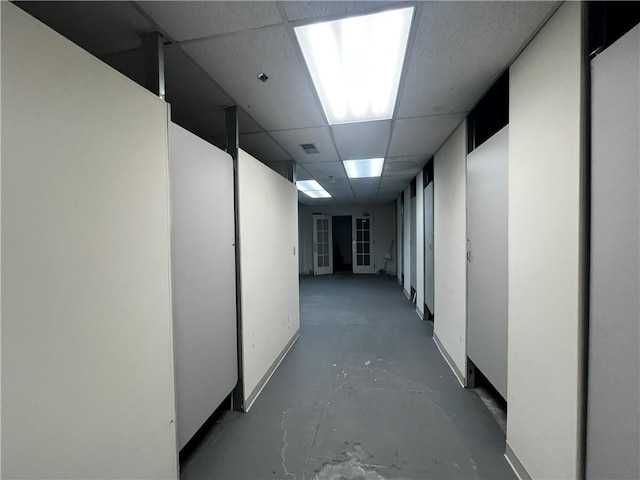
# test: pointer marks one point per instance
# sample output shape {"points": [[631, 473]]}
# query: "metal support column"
{"points": [[153, 53], [233, 140], [292, 171]]}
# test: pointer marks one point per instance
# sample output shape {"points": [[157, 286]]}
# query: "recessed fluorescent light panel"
{"points": [[371, 167], [356, 63], [312, 189]]}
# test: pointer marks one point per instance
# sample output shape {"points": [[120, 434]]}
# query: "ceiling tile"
{"points": [[286, 100], [99, 27], [459, 50], [307, 10], [362, 140], [336, 183], [204, 19], [394, 182], [365, 183], [261, 146], [422, 136], [319, 136], [404, 165], [302, 174], [366, 193], [324, 170], [342, 195], [246, 124]]}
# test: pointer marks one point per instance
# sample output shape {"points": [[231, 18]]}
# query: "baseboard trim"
{"points": [[407, 294], [449, 360], [267, 376], [420, 314], [515, 464]]}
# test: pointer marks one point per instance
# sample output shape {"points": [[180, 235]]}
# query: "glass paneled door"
{"points": [[322, 245], [363, 245]]}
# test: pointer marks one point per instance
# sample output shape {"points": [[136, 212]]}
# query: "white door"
{"points": [[322, 245], [363, 245]]}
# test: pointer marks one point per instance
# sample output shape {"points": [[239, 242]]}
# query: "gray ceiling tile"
{"points": [[302, 174], [306, 10], [394, 182], [325, 170], [261, 146], [364, 183], [342, 195], [99, 27], [404, 165], [460, 48], [362, 140], [366, 193], [286, 100], [204, 19], [336, 183], [422, 136], [319, 136]]}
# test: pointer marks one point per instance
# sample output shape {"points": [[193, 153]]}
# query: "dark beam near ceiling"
{"points": [[153, 52]]}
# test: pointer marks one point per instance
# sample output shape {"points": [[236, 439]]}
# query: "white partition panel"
{"points": [[428, 249], [613, 421], [202, 278], [406, 241], [450, 225], [420, 245], [268, 216], [398, 243], [545, 250], [87, 346], [487, 266]]}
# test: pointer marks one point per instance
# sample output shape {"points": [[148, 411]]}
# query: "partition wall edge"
{"points": [[450, 247], [87, 369], [546, 250], [419, 219]]}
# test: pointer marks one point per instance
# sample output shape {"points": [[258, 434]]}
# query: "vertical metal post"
{"points": [[292, 171], [233, 140], [153, 53]]}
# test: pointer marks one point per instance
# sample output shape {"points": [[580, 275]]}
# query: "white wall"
{"points": [[450, 246], [268, 220], [419, 216], [87, 356], [545, 249], [203, 271], [406, 240], [384, 230]]}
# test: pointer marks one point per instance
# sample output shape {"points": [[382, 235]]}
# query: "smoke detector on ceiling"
{"points": [[309, 148], [263, 77]]}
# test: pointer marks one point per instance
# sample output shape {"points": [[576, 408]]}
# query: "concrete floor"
{"points": [[363, 394]]}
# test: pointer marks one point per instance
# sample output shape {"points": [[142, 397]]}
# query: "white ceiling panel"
{"points": [[306, 10], [319, 136], [362, 140], [422, 136], [204, 19], [460, 49], [99, 27], [324, 170], [286, 100], [261, 146]]}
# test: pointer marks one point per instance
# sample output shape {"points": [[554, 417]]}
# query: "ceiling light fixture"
{"points": [[365, 168], [312, 189], [356, 63]]}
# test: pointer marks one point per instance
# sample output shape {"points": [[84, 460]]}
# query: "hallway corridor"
{"points": [[364, 393]]}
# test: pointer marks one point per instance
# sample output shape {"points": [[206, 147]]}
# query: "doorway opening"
{"points": [[342, 248]]}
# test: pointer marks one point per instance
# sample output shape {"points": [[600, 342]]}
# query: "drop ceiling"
{"points": [[214, 51]]}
